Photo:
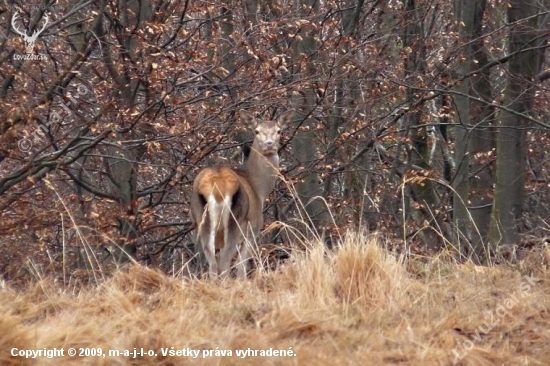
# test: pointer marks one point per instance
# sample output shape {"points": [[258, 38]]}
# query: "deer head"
{"points": [[29, 40]]}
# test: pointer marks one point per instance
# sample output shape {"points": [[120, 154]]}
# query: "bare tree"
{"points": [[526, 46]]}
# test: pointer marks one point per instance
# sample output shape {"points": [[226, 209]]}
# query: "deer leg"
{"points": [[210, 253], [242, 265], [199, 251], [244, 253], [226, 255], [232, 239]]}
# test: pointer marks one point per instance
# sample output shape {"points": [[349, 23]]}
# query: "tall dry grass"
{"points": [[354, 305]]}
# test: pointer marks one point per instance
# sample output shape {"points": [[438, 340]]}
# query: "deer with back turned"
{"points": [[227, 204]]}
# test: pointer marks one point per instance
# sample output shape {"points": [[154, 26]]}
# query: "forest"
{"points": [[418, 153]]}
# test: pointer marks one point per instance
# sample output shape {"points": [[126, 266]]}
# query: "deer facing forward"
{"points": [[227, 204]]}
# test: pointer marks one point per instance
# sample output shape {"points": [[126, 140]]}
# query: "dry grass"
{"points": [[357, 305]]}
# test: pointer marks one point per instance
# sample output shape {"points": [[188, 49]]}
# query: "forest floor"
{"points": [[357, 305]]}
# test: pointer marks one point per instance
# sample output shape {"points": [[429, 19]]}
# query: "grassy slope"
{"points": [[355, 306]]}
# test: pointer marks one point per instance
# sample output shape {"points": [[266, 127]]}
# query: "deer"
{"points": [[29, 40], [227, 204]]}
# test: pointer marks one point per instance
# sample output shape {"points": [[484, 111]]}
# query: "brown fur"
{"points": [[218, 181], [223, 181]]}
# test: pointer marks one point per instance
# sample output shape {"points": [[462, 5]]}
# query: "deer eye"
{"points": [[278, 131], [257, 132]]}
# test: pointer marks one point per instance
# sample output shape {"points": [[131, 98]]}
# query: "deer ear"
{"points": [[248, 119], [285, 119]]}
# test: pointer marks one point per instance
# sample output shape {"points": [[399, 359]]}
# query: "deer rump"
{"points": [[229, 209]]}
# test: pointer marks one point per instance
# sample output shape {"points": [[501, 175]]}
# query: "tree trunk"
{"points": [[310, 189], [472, 182], [121, 163], [345, 83], [423, 191], [464, 12], [511, 141], [482, 141]]}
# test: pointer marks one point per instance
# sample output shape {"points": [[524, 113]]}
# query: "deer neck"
{"points": [[262, 172]]}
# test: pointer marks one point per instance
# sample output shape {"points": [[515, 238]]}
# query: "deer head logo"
{"points": [[29, 40]]}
